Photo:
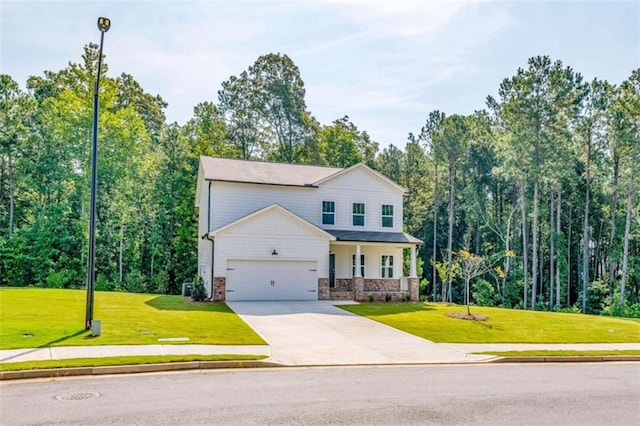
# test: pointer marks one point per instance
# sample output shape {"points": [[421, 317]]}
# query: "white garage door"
{"points": [[272, 280]]}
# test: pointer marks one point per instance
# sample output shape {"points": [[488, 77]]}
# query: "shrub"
{"points": [[613, 307], [423, 286], [161, 282], [483, 293], [513, 294], [632, 311], [406, 297], [199, 293], [135, 282], [103, 284], [387, 297], [60, 279], [597, 293], [542, 304], [571, 309], [372, 298]]}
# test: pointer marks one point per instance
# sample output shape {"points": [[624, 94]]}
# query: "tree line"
{"points": [[537, 188]]}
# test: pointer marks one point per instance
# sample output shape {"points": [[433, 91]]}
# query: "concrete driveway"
{"points": [[318, 333]]}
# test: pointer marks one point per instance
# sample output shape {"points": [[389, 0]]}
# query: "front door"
{"points": [[332, 270]]}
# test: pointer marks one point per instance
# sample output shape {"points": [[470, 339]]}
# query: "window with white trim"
{"points": [[387, 216], [387, 266], [353, 265], [328, 212], [358, 214]]}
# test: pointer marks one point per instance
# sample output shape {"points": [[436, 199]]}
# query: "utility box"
{"points": [[96, 328], [187, 288]]}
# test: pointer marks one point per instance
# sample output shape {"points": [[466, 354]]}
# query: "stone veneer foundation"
{"points": [[413, 289], [370, 287], [358, 288], [382, 284], [323, 289], [341, 295], [343, 284], [219, 289]]}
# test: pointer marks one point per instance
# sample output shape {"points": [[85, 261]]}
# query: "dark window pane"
{"points": [[387, 222], [328, 218]]}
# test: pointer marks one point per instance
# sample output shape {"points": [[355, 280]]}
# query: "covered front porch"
{"points": [[369, 266]]}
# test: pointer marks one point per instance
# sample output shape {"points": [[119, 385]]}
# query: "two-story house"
{"points": [[271, 231]]}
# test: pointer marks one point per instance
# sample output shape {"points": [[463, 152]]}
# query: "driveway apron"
{"points": [[318, 333]]}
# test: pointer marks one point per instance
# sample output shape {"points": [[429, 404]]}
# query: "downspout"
{"points": [[212, 259], [209, 209]]}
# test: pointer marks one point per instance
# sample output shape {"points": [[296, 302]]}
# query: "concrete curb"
{"points": [[131, 369], [541, 359], [208, 365]]}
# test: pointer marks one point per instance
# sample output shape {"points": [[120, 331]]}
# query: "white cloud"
{"points": [[331, 44], [403, 18]]}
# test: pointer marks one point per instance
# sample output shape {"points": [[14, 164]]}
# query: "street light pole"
{"points": [[103, 25]]}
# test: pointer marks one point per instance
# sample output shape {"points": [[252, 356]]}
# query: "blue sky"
{"points": [[385, 63]]}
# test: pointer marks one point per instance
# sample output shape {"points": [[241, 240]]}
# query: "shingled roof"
{"points": [[224, 169], [373, 236]]}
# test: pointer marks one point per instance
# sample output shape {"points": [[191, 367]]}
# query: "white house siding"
{"points": [[373, 259], [259, 236], [231, 201], [343, 260], [361, 186], [204, 245]]}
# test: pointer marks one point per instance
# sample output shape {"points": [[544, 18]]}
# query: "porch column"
{"points": [[358, 281], [358, 272], [413, 273]]}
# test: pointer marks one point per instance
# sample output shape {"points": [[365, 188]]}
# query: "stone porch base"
{"points": [[361, 289]]}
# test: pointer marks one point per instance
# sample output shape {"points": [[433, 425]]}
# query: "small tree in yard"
{"points": [[471, 266], [199, 293]]}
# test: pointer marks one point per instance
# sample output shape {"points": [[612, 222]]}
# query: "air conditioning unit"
{"points": [[186, 289]]}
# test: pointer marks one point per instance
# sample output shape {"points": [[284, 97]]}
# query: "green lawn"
{"points": [[33, 317], [547, 353], [429, 321], [121, 360]]}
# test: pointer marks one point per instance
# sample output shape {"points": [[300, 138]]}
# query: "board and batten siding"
{"points": [[231, 201], [259, 236]]}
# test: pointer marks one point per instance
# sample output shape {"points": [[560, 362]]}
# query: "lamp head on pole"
{"points": [[104, 24]]}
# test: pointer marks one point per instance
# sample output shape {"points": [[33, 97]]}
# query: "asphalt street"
{"points": [[561, 394]]}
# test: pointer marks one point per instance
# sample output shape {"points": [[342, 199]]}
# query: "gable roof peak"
{"points": [[366, 168]]}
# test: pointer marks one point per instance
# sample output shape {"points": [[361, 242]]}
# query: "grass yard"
{"points": [[430, 321], [35, 318], [120, 360], [548, 353]]}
